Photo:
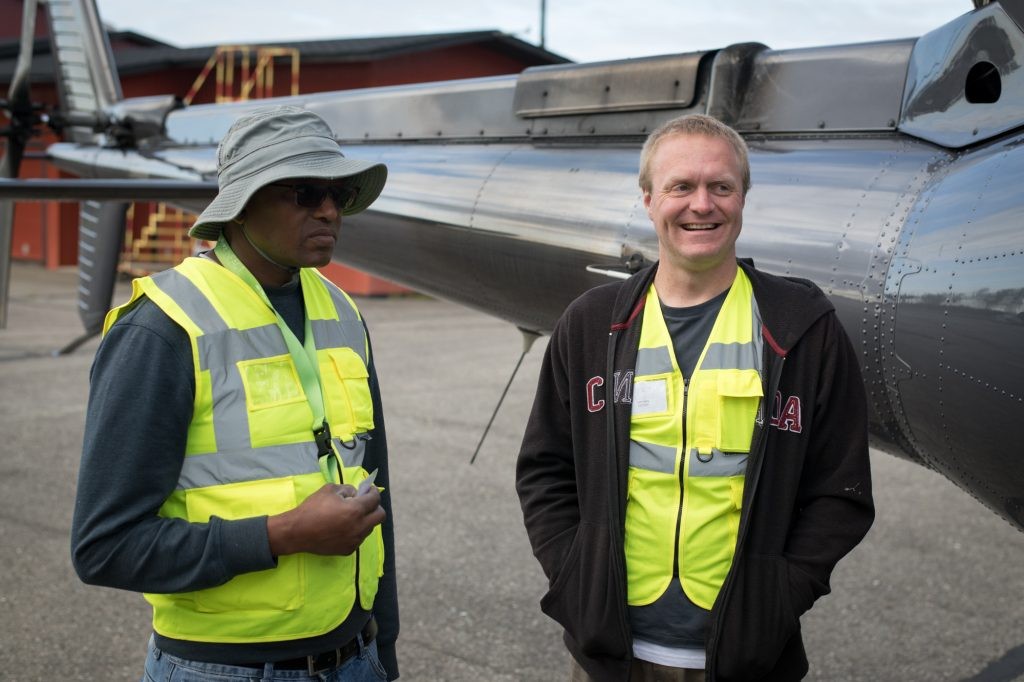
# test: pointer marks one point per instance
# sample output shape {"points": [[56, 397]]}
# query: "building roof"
{"points": [[149, 55]]}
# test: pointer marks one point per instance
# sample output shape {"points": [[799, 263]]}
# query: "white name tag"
{"points": [[650, 396]]}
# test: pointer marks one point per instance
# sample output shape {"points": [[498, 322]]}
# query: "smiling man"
{"points": [[233, 410], [684, 518]]}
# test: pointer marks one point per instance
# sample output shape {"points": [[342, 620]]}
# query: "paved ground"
{"points": [[936, 592]]}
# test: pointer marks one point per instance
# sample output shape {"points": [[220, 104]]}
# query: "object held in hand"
{"points": [[366, 484]]}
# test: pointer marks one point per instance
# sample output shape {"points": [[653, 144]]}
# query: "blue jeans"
{"points": [[163, 667]]}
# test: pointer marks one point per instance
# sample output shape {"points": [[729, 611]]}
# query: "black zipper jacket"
{"points": [[807, 499]]}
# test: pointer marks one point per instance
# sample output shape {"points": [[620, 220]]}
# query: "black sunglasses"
{"points": [[308, 195]]}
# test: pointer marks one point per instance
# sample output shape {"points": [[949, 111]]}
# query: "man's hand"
{"points": [[330, 521]]}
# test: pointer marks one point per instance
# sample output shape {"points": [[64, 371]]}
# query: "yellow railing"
{"points": [[244, 72]]}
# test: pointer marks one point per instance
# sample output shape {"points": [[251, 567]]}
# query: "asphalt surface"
{"points": [[936, 591]]}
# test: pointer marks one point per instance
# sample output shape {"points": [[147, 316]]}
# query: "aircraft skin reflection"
{"points": [[885, 172]]}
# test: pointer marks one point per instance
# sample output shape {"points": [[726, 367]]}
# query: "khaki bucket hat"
{"points": [[274, 144]]}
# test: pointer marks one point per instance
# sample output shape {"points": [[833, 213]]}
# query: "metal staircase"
{"points": [[239, 73]]}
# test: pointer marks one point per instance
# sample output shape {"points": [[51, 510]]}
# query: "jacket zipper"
{"points": [[751, 486], [614, 524], [616, 527]]}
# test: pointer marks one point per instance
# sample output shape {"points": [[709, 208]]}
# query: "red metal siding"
{"points": [[47, 232]]}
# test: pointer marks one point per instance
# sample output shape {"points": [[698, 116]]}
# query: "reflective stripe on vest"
{"points": [[250, 451], [690, 506]]}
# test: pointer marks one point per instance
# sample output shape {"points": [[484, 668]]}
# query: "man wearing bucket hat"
{"points": [[234, 464]]}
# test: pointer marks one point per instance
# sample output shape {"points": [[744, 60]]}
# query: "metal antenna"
{"points": [[543, 22], [528, 338]]}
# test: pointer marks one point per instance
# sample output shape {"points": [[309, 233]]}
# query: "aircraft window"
{"points": [[983, 84]]}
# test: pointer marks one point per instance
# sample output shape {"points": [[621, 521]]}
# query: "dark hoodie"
{"points": [[806, 503]]}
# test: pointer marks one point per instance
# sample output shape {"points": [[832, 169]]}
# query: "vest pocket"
{"points": [[371, 567], [653, 396], [349, 410], [273, 393], [276, 589], [270, 382], [371, 552], [736, 488], [650, 534], [739, 394], [709, 536]]}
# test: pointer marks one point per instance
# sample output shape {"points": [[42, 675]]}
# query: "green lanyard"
{"points": [[303, 355]]}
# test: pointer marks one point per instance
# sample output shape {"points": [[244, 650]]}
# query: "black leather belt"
{"points": [[325, 660]]}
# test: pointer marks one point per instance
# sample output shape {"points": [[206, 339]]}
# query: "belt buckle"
{"points": [[314, 665]]}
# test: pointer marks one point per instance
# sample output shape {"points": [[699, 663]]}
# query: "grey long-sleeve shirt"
{"points": [[142, 389]]}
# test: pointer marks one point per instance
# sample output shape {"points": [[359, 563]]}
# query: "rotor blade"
{"points": [[7, 163], [100, 236], [18, 101], [19, 81], [6, 223], [66, 189], [8, 169], [20, 110]]}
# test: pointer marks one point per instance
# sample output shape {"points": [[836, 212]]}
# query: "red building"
{"points": [[46, 232]]}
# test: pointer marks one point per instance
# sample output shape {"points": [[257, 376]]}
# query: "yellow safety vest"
{"points": [[251, 450], [685, 488]]}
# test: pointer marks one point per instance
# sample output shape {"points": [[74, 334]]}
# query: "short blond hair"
{"points": [[694, 124]]}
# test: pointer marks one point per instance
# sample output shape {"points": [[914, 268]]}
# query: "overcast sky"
{"points": [[582, 30]]}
